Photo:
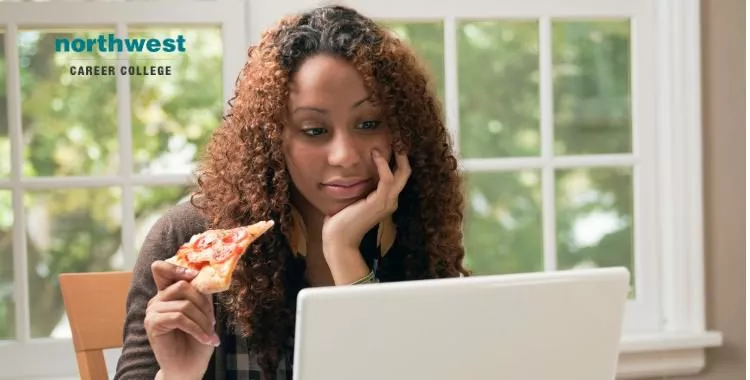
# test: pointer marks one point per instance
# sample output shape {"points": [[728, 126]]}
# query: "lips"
{"points": [[345, 182], [345, 188]]}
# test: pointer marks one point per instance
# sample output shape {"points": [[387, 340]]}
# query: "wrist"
{"points": [[346, 265], [333, 248]]}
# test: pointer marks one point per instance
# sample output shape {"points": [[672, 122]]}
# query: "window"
{"points": [[577, 124], [541, 112], [89, 162]]}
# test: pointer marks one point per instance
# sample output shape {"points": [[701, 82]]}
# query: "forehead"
{"points": [[326, 79]]}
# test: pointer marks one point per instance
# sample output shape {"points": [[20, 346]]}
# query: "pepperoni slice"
{"points": [[223, 252], [205, 241]]}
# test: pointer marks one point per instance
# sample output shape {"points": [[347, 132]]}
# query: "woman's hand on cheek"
{"points": [[345, 229]]}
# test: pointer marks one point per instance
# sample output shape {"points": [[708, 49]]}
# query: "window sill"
{"points": [[641, 356], [665, 354]]}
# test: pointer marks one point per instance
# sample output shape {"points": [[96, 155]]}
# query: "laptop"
{"points": [[563, 325]]}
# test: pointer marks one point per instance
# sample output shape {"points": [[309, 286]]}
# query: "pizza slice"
{"points": [[214, 254]]}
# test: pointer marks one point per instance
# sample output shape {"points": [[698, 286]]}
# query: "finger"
{"points": [[381, 197], [187, 308], [162, 323], [166, 274], [384, 172], [182, 290]]}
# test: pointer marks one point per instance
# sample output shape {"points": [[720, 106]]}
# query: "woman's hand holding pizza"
{"points": [[179, 323], [180, 318]]}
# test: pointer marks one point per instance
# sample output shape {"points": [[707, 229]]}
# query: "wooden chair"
{"points": [[95, 304]]}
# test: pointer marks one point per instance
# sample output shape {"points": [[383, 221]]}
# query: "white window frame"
{"points": [[665, 330], [665, 333], [51, 358]]}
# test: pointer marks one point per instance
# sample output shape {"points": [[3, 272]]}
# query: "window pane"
{"points": [[173, 115], [151, 203], [592, 87], [69, 121], [4, 141], [503, 229], [426, 38], [498, 81], [70, 230], [7, 306], [595, 218]]}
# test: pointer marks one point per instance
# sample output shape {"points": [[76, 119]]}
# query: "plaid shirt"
{"points": [[242, 365]]}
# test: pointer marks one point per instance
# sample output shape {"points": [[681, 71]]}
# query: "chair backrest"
{"points": [[95, 304]]}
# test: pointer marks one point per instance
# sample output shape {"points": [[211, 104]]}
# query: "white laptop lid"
{"points": [[560, 325]]}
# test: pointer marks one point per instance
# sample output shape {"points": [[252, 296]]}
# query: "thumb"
{"points": [[166, 274]]}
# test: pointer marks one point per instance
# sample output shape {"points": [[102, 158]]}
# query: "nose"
{"points": [[343, 151]]}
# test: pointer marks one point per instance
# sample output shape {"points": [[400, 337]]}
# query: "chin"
{"points": [[332, 208]]}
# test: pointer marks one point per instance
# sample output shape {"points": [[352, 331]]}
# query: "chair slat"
{"points": [[95, 305]]}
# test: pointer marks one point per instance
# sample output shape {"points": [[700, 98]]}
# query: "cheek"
{"points": [[301, 162]]}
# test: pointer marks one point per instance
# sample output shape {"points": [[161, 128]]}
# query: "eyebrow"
{"points": [[323, 111]]}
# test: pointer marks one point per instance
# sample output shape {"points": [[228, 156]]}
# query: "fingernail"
{"points": [[207, 340], [190, 272], [210, 340], [376, 153]]}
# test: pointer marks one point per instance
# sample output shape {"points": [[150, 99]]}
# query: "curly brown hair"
{"points": [[243, 179]]}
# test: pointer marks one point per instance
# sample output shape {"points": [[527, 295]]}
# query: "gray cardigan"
{"points": [[174, 228]]}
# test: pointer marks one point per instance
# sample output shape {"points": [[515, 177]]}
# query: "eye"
{"points": [[316, 131], [370, 124]]}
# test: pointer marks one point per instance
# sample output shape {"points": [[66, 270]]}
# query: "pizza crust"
{"points": [[208, 281], [216, 279]]}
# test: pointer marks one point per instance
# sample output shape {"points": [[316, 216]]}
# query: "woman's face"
{"points": [[331, 132]]}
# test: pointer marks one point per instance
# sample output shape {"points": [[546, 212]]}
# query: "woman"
{"points": [[335, 134]]}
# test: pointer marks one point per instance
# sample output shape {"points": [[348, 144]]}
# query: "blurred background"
{"points": [[549, 154]]}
